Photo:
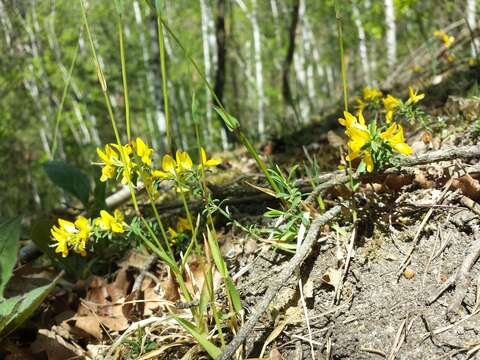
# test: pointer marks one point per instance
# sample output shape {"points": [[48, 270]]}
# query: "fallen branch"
{"points": [[280, 281]]}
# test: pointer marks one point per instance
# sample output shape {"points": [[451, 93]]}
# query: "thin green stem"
{"points": [[62, 101], [163, 68], [342, 56], [124, 78], [345, 98]]}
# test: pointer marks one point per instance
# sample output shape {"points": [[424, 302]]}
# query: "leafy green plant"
{"points": [[15, 310]]}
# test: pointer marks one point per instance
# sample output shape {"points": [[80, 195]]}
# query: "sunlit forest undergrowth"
{"points": [[238, 179]]}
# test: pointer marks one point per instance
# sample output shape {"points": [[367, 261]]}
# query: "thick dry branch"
{"points": [[281, 280]]}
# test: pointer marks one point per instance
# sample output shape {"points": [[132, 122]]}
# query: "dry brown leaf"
{"points": [[275, 354], [469, 186], [90, 325], [332, 277], [396, 182]]}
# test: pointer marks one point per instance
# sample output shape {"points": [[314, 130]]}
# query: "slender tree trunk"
{"points": [[391, 33], [207, 131], [472, 23], [155, 66], [292, 32], [221, 37], [362, 46], [257, 45]]}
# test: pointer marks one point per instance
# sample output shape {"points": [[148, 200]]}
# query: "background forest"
{"points": [[274, 63]]}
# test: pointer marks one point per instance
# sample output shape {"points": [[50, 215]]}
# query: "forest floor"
{"points": [[402, 282]]}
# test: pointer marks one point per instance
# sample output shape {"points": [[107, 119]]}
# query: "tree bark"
{"points": [[292, 31], [391, 33], [471, 21], [221, 40], [362, 46]]}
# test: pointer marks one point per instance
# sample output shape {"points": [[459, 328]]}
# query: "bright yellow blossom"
{"points": [[371, 94], [143, 151], [71, 235], [361, 105], [391, 104], [413, 96], [445, 38], [205, 162], [394, 137], [111, 223], [183, 224], [184, 162], [359, 136], [110, 159]]}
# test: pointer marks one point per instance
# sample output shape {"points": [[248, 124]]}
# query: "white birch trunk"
{"points": [[207, 65], [258, 70], [472, 23], [362, 44], [391, 33], [149, 76]]}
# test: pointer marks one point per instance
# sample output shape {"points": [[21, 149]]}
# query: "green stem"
{"points": [[124, 77], [345, 98], [62, 101], [161, 47]]}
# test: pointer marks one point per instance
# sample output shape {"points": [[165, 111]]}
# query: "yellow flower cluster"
{"points": [[370, 95], [72, 235], [137, 158], [446, 39], [392, 104], [361, 138], [75, 235], [115, 156]]}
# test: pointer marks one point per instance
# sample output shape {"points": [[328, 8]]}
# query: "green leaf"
{"points": [[234, 295], [14, 311], [216, 254], [202, 339], [99, 194], [228, 119], [9, 235], [69, 178]]}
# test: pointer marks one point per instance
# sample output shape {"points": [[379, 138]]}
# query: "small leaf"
{"points": [[234, 296], [19, 308], [208, 346], [69, 178], [217, 255], [9, 235]]}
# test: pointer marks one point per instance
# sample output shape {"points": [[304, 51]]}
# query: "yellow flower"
{"points": [[168, 167], [143, 151], [394, 137], [184, 162], [361, 105], [444, 37], [451, 57], [183, 224], [371, 94], [111, 223], [414, 97], [207, 162], [471, 61], [110, 160], [391, 103], [71, 235], [359, 136]]}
